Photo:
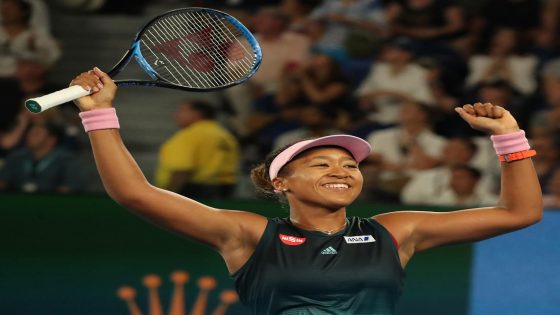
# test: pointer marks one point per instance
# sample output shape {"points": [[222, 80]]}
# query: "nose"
{"points": [[339, 171]]}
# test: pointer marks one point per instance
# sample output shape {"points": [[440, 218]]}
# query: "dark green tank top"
{"points": [[297, 272]]}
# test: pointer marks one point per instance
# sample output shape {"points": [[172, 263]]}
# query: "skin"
{"points": [[235, 234]]}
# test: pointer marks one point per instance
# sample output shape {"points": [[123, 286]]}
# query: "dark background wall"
{"points": [[69, 255]]}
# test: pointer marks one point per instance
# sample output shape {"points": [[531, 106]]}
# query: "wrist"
{"points": [[506, 130], [100, 118], [512, 146]]}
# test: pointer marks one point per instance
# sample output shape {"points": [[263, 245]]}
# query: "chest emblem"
{"points": [[291, 240], [359, 239], [329, 251]]}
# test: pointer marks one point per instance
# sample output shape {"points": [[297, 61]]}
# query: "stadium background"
{"points": [[68, 255]]}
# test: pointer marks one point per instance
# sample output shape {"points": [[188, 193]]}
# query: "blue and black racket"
{"points": [[193, 49]]}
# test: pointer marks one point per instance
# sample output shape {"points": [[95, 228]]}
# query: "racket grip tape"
{"points": [[42, 103]]}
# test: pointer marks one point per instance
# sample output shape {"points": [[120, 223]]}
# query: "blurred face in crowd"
{"points": [[412, 114], [11, 11], [463, 182], [551, 90], [268, 23], [546, 149], [322, 67], [30, 70], [186, 115], [500, 96], [504, 41], [457, 152], [38, 137]]}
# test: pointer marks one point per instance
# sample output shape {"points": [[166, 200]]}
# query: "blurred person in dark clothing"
{"points": [[546, 110], [42, 165]]}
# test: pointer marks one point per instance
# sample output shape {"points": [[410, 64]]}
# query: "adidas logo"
{"points": [[329, 251]]}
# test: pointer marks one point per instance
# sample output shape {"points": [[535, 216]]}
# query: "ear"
{"points": [[279, 184]]}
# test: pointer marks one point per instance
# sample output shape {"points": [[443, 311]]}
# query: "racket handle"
{"points": [[41, 104]]}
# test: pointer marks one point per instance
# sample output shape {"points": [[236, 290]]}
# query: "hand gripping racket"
{"points": [[193, 49]]}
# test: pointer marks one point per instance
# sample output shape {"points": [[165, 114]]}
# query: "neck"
{"points": [[322, 220]]}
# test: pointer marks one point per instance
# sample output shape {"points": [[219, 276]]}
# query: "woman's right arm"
{"points": [[233, 233]]}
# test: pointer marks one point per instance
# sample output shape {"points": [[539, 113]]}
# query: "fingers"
{"points": [[483, 110], [89, 81], [93, 80]]}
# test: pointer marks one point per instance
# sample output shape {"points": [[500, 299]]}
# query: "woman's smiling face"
{"points": [[326, 176]]}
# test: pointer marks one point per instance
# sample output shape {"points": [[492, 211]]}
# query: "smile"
{"points": [[337, 186]]}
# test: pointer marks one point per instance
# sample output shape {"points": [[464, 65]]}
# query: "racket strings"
{"points": [[199, 49]]}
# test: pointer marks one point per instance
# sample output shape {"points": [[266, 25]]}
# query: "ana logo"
{"points": [[359, 239], [291, 240]]}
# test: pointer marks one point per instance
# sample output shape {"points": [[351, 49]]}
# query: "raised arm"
{"points": [[520, 203], [233, 233]]}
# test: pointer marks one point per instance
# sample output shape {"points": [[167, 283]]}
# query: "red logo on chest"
{"points": [[291, 240]]}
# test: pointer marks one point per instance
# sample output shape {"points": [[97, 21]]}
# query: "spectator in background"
{"points": [[427, 185], [323, 84], [504, 60], [40, 18], [343, 22], [462, 190], [393, 81], [18, 40], [298, 11], [548, 160], [547, 116], [437, 22], [404, 149], [42, 165], [202, 158], [522, 15], [316, 121], [282, 48]]}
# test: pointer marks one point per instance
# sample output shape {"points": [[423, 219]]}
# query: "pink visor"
{"points": [[358, 147]]}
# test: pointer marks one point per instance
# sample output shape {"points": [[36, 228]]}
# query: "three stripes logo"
{"points": [[329, 251]]}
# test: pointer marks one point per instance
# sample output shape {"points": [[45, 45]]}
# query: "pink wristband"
{"points": [[105, 118], [510, 143]]}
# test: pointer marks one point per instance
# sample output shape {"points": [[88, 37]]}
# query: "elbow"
{"points": [[533, 216], [128, 197]]}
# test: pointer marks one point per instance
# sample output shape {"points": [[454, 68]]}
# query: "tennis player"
{"points": [[318, 260]]}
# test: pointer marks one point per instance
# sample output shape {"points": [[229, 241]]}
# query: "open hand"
{"points": [[488, 118]]}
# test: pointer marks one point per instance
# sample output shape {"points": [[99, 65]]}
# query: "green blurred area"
{"points": [[69, 255]]}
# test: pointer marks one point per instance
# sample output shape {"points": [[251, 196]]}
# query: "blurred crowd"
{"points": [[389, 71]]}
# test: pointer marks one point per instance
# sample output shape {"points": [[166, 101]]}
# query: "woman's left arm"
{"points": [[520, 203]]}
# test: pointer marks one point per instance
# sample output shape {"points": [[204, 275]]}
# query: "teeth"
{"points": [[336, 186]]}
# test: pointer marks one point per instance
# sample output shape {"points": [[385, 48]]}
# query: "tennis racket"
{"points": [[193, 49]]}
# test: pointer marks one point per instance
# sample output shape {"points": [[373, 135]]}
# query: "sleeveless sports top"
{"points": [[297, 272]]}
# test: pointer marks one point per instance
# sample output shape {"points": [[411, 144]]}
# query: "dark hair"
{"points": [[26, 9], [261, 179], [207, 110], [469, 143]]}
